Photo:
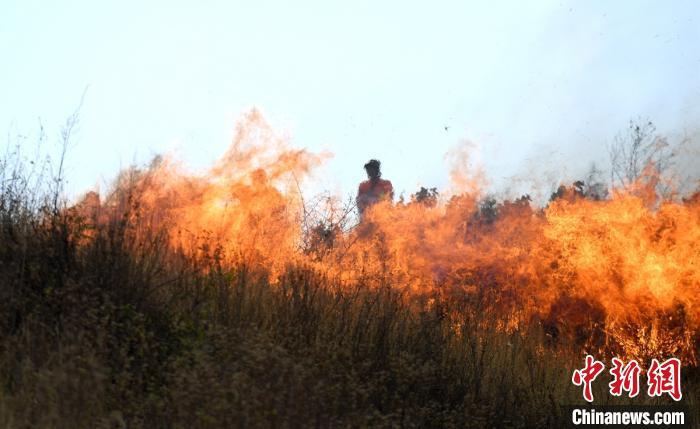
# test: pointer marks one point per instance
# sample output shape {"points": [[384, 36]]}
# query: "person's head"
{"points": [[373, 169]]}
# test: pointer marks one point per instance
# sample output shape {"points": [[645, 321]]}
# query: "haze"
{"points": [[539, 88]]}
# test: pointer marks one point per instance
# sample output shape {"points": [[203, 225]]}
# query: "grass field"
{"points": [[109, 325]]}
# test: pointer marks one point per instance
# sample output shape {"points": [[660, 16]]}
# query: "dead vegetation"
{"points": [[104, 323]]}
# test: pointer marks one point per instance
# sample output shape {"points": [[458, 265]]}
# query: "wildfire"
{"points": [[619, 275]]}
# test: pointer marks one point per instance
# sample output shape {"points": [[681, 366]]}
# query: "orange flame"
{"points": [[621, 275]]}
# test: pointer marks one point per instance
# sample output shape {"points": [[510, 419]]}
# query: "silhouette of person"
{"points": [[375, 189]]}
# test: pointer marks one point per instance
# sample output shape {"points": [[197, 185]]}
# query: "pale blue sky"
{"points": [[538, 85]]}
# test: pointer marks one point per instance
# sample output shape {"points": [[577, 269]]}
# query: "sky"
{"points": [[538, 88]]}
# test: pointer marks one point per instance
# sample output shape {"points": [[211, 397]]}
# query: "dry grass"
{"points": [[114, 331]]}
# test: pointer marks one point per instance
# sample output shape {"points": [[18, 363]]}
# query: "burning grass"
{"points": [[621, 273], [220, 299]]}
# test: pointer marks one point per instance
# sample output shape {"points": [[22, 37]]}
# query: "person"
{"points": [[375, 189]]}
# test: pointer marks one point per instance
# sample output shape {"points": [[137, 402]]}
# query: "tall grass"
{"points": [[103, 325]]}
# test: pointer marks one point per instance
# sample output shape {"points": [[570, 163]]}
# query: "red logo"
{"points": [[665, 378], [586, 375], [625, 378], [661, 378]]}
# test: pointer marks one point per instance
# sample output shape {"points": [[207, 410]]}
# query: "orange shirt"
{"points": [[371, 192]]}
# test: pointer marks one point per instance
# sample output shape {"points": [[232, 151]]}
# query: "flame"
{"points": [[620, 275]]}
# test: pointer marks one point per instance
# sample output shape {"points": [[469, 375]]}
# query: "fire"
{"points": [[247, 205], [618, 276]]}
